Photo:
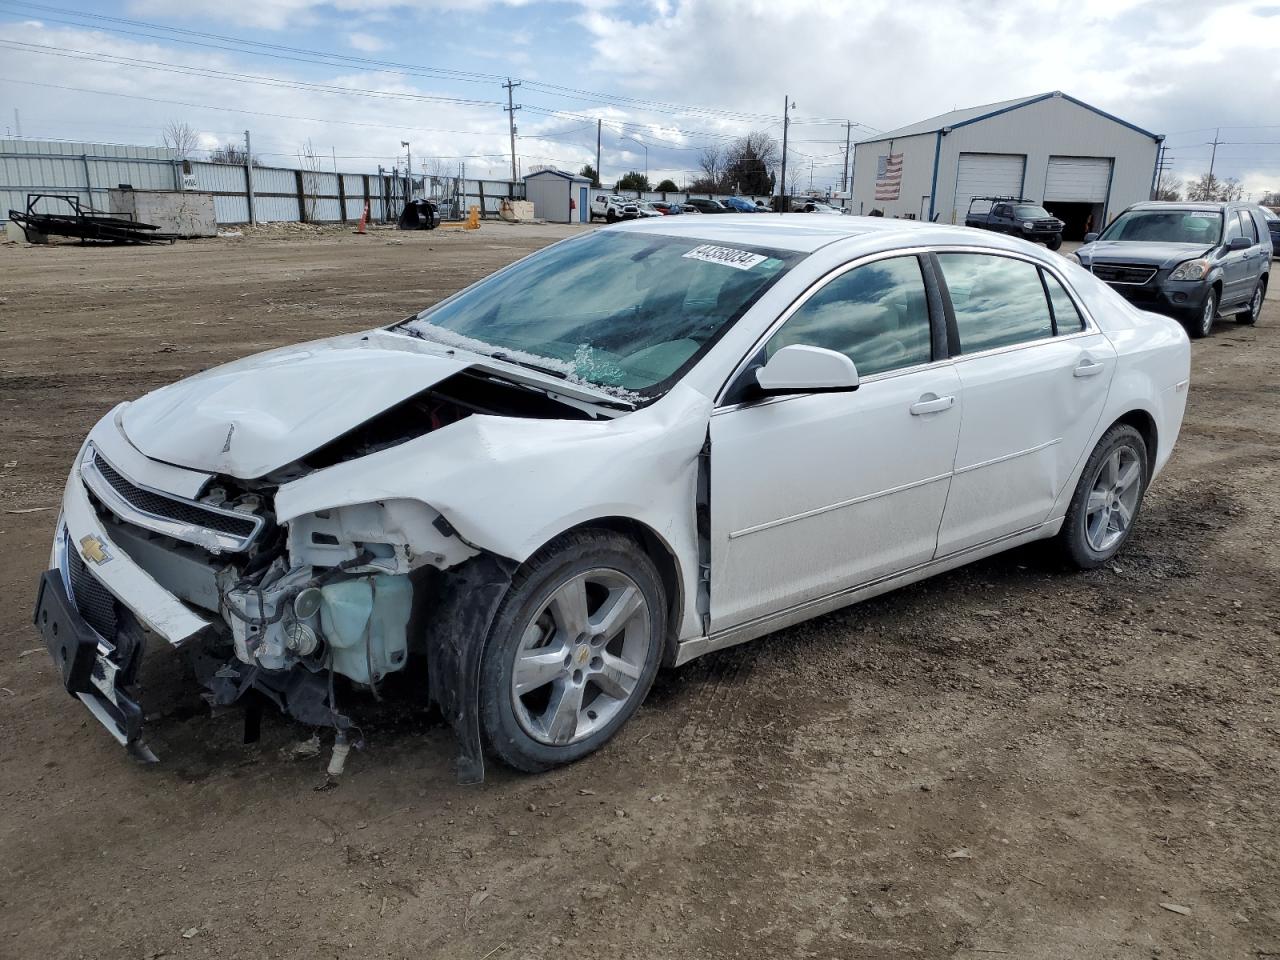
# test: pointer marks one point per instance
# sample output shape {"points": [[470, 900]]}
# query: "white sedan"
{"points": [[622, 452]]}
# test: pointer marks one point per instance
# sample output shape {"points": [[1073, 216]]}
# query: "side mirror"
{"points": [[1239, 243], [804, 369], [1090, 237]]}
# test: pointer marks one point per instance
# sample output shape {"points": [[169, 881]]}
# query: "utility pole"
{"points": [[844, 177], [17, 122], [786, 125], [1214, 143], [408, 169], [511, 109], [598, 175], [248, 178]]}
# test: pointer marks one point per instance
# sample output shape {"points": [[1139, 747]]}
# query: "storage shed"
{"points": [[1083, 164], [558, 197]]}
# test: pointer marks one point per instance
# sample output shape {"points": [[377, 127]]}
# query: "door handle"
{"points": [[931, 403], [1087, 368]]}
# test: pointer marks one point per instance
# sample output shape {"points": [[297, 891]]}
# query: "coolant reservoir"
{"points": [[365, 622]]}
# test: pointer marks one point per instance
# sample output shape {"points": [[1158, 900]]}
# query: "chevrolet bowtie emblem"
{"points": [[94, 550]]}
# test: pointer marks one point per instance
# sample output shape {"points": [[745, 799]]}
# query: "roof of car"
{"points": [[799, 232], [1179, 205]]}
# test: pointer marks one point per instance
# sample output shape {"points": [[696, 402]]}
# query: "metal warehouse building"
{"points": [[1083, 164]]}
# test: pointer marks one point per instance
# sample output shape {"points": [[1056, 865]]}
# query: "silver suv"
{"points": [[1191, 261]]}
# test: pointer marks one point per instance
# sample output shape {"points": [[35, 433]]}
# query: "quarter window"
{"points": [[997, 301], [1066, 316], [877, 315]]}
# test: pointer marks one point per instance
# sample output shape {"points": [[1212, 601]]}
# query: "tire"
{"points": [[610, 216], [1202, 325], [1055, 243], [1251, 313], [571, 707], [1095, 528]]}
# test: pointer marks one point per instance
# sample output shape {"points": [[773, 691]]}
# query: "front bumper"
{"points": [[1182, 299], [99, 673]]}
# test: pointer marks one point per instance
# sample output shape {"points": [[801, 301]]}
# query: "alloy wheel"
{"points": [[1113, 499], [581, 657], [1255, 308], [1208, 315]]}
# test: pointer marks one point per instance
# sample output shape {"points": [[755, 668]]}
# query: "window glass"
{"points": [[1233, 229], [876, 315], [1247, 227], [997, 301], [621, 310], [1065, 313], [1166, 226]]}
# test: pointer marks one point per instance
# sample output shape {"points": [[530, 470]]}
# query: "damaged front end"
{"points": [[274, 611]]}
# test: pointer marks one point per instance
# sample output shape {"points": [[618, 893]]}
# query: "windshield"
{"points": [[1032, 212], [1201, 227], [629, 312]]}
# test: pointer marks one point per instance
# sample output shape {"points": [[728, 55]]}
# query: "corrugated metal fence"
{"points": [[88, 170]]}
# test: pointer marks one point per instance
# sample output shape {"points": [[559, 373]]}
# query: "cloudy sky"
{"points": [[668, 77]]}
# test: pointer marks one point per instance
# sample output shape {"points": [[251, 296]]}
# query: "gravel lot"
{"points": [[1007, 760]]}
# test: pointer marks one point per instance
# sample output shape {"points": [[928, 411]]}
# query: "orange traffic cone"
{"points": [[364, 217]]}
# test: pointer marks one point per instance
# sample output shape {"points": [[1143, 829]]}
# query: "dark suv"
{"points": [[1017, 217], [1191, 261]]}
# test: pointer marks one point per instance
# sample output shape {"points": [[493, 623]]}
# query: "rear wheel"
{"points": [[573, 651], [1250, 315], [1202, 325], [1107, 499]]}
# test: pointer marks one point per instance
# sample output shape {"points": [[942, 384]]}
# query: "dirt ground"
{"points": [[1011, 759]]}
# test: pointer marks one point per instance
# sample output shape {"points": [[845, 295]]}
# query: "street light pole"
{"points": [[408, 165]]}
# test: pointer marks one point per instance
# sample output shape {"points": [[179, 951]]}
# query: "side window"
{"points": [[1247, 227], [1233, 228], [1001, 210], [997, 301], [1066, 316], [876, 315]]}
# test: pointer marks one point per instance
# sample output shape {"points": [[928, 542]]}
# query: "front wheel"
{"points": [[1107, 499], [1250, 316], [1054, 243], [610, 216], [1202, 325], [573, 650]]}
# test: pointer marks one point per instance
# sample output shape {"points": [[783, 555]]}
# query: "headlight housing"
{"points": [[1028, 225], [1192, 270]]}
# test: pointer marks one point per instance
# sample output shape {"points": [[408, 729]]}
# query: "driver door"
{"points": [[815, 493]]}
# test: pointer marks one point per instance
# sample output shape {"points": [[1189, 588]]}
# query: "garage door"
{"points": [[1078, 179], [987, 175]]}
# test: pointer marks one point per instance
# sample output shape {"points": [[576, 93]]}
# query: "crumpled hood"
{"points": [[1161, 255], [247, 418]]}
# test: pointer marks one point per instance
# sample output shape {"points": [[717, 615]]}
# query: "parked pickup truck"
{"points": [[612, 207], [1018, 217]]}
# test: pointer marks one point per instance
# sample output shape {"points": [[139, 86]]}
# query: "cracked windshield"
{"points": [[625, 311]]}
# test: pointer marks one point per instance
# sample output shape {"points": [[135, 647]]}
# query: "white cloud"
{"points": [[365, 42]]}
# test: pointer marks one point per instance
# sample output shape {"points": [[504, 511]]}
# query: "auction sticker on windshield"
{"points": [[725, 256]]}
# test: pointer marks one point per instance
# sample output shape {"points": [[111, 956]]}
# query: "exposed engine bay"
{"points": [[331, 593]]}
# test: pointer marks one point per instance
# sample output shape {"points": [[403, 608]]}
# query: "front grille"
{"points": [[1123, 273], [182, 511], [92, 599]]}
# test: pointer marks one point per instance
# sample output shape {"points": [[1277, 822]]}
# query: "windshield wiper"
{"points": [[550, 371]]}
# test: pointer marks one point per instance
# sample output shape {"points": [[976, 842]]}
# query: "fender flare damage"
{"points": [[464, 611]]}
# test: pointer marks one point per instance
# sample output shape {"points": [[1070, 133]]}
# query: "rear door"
{"points": [[1238, 276], [1034, 379]]}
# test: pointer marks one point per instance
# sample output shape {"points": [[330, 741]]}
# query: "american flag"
{"points": [[889, 181]]}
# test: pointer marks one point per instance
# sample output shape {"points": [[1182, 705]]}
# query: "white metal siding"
{"points": [[1054, 127], [550, 196], [1078, 179], [917, 176], [987, 175]]}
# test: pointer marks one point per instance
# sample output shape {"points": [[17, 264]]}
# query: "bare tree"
{"points": [[180, 137], [1209, 187], [711, 161], [230, 152], [1170, 189]]}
